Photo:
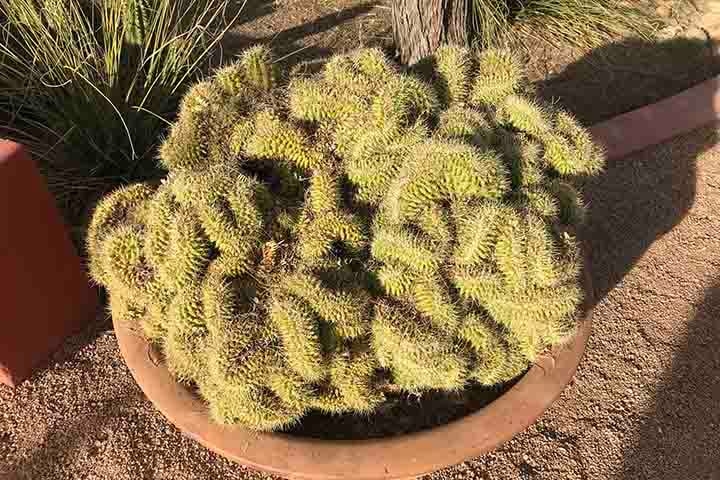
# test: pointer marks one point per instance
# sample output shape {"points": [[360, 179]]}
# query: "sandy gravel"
{"points": [[646, 401], [644, 405]]}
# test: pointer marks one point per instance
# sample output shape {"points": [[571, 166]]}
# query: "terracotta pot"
{"points": [[45, 295], [399, 457]]}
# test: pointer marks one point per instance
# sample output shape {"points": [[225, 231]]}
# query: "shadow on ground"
{"points": [[622, 76], [253, 9], [681, 435], [635, 200], [632, 204], [291, 43]]}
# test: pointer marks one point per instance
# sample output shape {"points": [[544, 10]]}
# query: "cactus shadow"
{"points": [[680, 437], [636, 201], [629, 74], [643, 196], [402, 413]]}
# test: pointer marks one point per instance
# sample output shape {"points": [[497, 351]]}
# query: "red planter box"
{"points": [[45, 294]]}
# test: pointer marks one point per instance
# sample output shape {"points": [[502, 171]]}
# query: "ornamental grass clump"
{"points": [[583, 23], [90, 85], [323, 240]]}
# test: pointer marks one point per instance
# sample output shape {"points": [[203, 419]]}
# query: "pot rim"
{"points": [[398, 457]]}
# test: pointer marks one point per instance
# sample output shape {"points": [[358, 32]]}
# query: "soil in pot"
{"points": [[402, 413]]}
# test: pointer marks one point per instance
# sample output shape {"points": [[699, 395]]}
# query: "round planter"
{"points": [[399, 457]]}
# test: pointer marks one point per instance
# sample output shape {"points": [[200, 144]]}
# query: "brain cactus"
{"points": [[322, 239]]}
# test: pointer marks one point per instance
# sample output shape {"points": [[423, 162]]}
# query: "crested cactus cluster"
{"points": [[322, 238]]}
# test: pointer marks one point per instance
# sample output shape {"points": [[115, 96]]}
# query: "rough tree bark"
{"points": [[420, 26]]}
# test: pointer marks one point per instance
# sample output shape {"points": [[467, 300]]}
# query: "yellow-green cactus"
{"points": [[347, 311], [316, 239], [248, 78], [498, 76], [125, 206], [274, 138], [454, 68], [495, 357], [419, 355], [195, 262], [465, 124], [136, 16], [259, 67]]}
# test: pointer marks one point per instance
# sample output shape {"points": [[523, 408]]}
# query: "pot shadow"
{"points": [[681, 436]]}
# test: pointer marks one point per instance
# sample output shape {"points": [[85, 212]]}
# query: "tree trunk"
{"points": [[420, 26]]}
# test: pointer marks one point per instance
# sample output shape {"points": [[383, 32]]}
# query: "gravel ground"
{"points": [[645, 403]]}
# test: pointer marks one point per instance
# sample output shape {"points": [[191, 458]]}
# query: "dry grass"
{"points": [[584, 23]]}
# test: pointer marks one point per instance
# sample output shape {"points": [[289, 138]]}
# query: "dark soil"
{"points": [[402, 413]]}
